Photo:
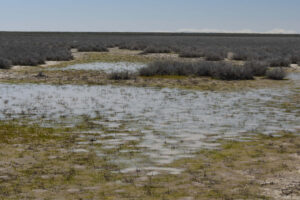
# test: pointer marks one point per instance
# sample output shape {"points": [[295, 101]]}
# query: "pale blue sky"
{"points": [[151, 15]]}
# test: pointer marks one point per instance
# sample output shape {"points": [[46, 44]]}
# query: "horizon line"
{"points": [[145, 32]]}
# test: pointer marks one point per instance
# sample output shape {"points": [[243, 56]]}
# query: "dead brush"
{"points": [[122, 75], [276, 74], [5, 64]]}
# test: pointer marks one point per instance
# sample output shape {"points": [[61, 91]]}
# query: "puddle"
{"points": [[156, 125], [80, 151], [152, 171], [105, 67], [294, 76]]}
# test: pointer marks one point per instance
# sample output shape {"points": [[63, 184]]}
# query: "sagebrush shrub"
{"points": [[280, 62], [239, 55], [202, 68], [33, 48], [232, 72], [189, 53], [295, 59], [5, 64], [276, 74], [259, 68], [122, 75], [89, 48], [213, 56], [157, 49]]}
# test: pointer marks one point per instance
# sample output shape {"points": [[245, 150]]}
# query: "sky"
{"points": [[262, 16]]}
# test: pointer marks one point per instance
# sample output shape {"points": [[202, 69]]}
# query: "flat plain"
{"points": [[149, 116]]}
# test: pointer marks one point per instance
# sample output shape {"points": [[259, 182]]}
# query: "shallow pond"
{"points": [[294, 76], [161, 124], [105, 67]]}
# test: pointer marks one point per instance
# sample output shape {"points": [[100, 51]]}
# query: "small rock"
{"points": [[267, 183], [143, 178], [120, 191], [286, 191], [91, 188], [45, 177], [39, 191], [41, 75], [5, 178], [73, 190], [79, 167]]}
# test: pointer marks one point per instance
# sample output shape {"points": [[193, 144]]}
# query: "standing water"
{"points": [[105, 67], [166, 124]]}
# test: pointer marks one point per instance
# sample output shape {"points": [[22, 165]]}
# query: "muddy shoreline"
{"points": [[26, 74], [41, 163]]}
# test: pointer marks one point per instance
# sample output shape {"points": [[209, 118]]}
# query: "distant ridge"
{"points": [[155, 33]]}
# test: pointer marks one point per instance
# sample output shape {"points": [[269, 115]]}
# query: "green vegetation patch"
{"points": [[39, 162], [13, 132]]}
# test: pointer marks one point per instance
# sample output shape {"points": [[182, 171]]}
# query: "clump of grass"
{"points": [[12, 132], [31, 61], [295, 58], [121, 75], [240, 55], [5, 64], [156, 49], [232, 72], [280, 62], [41, 75], [167, 67], [259, 68], [213, 56], [276, 74], [205, 68], [96, 48], [189, 53]]}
